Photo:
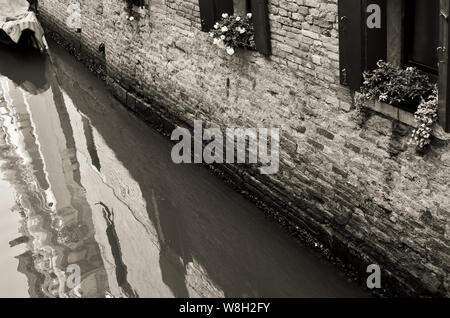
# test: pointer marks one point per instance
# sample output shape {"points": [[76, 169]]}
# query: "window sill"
{"points": [[403, 116]]}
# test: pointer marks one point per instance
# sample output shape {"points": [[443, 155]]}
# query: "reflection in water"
{"points": [[55, 213], [91, 144], [172, 265], [97, 188], [19, 240], [113, 239], [25, 68]]}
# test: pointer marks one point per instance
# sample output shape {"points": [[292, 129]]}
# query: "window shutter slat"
{"points": [[444, 67], [207, 14], [350, 43], [262, 26]]}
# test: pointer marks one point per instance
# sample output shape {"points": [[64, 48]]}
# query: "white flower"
{"points": [[216, 26], [224, 29], [131, 18], [238, 19], [211, 34], [225, 15], [222, 37], [242, 30], [230, 50], [249, 15]]}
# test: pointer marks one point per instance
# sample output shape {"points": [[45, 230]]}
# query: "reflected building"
{"points": [[81, 206], [57, 218]]}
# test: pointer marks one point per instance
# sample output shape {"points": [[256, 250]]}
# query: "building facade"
{"points": [[359, 188]]}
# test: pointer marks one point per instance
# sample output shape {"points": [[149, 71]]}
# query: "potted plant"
{"points": [[426, 117], [234, 31], [405, 94]]}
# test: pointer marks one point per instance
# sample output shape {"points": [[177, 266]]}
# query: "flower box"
{"points": [[403, 116], [233, 32]]}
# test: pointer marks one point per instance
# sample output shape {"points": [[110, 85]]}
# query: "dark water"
{"points": [[84, 182]]}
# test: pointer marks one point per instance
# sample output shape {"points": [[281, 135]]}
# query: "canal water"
{"points": [[85, 185]]}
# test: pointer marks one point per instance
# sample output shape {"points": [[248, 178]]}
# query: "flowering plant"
{"points": [[130, 4], [396, 86], [233, 31], [426, 116]]}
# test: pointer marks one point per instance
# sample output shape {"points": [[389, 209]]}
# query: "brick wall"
{"points": [[362, 190]]}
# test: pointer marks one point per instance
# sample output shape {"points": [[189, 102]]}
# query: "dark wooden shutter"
{"points": [[375, 39], [207, 14], [444, 67], [351, 43], [211, 11], [262, 26], [359, 47]]}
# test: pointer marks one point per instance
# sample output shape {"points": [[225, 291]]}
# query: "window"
{"points": [[139, 3], [242, 7], [212, 10], [412, 32], [422, 34]]}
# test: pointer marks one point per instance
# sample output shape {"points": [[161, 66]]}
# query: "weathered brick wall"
{"points": [[55, 14], [362, 188]]}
